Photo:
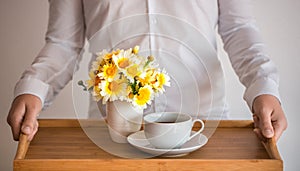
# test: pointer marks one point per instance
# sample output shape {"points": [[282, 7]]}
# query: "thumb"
{"points": [[266, 125], [29, 122], [27, 129]]}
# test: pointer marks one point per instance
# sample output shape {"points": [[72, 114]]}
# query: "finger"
{"points": [[258, 133], [15, 118], [29, 123], [278, 131], [35, 129], [266, 123], [255, 121], [280, 126]]}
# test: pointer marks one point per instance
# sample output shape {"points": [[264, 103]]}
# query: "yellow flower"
{"points": [[122, 59], [147, 77], [96, 93], [162, 79], [95, 65], [125, 75], [109, 56], [136, 49], [104, 55], [132, 71], [91, 82], [143, 97], [94, 83], [123, 62], [113, 90], [109, 72], [128, 63]]}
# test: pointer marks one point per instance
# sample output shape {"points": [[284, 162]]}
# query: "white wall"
{"points": [[23, 25]]}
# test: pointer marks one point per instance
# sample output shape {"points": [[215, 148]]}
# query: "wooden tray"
{"points": [[63, 145]]}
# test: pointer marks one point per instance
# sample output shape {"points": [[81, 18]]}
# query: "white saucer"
{"points": [[139, 141]]}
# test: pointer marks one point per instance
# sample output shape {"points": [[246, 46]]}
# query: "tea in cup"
{"points": [[168, 130]]}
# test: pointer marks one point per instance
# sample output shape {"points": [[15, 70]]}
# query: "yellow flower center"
{"points": [[130, 96], [123, 62], [113, 86], [109, 71], [133, 70]]}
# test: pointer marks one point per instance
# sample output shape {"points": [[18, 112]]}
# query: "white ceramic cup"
{"points": [[170, 129]]}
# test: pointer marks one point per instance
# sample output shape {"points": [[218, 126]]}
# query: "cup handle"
{"points": [[199, 131]]}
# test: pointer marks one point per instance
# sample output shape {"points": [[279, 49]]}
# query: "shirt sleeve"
{"points": [[246, 50], [53, 67]]}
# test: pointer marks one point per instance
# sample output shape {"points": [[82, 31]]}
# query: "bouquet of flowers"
{"points": [[125, 75]]}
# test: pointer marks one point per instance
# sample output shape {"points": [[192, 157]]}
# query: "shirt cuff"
{"points": [[32, 86], [260, 87]]}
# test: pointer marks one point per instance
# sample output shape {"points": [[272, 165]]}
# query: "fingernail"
{"points": [[268, 132], [26, 130]]}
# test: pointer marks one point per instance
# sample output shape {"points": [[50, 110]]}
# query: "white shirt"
{"points": [[71, 22]]}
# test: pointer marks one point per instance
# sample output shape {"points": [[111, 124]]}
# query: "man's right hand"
{"points": [[22, 116]]}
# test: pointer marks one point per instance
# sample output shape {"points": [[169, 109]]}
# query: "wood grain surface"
{"points": [[64, 145]]}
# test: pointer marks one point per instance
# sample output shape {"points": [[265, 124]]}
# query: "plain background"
{"points": [[22, 30]]}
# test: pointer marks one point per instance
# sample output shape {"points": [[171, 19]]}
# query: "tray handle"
{"points": [[271, 147], [22, 147]]}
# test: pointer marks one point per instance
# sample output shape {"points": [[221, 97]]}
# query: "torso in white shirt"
{"points": [[164, 29]]}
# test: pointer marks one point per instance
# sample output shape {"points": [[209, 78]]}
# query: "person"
{"points": [[71, 22]]}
